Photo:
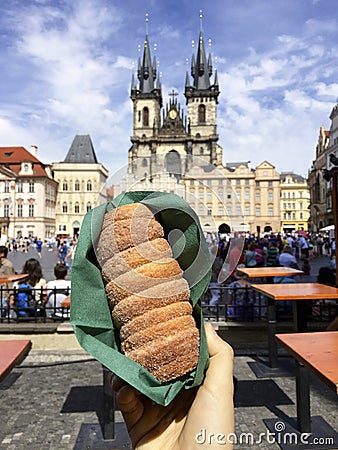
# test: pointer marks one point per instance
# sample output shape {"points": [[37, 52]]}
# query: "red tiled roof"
{"points": [[12, 157]]}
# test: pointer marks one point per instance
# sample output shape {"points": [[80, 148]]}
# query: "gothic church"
{"points": [[165, 140]]}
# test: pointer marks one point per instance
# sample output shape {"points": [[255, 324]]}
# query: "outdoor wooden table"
{"points": [[14, 277], [299, 293], [11, 353], [318, 353], [262, 272]]}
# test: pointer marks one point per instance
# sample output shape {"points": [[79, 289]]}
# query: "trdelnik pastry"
{"points": [[147, 294]]}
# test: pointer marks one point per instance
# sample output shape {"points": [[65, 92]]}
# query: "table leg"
{"points": [[303, 398], [272, 344], [108, 406], [300, 316]]}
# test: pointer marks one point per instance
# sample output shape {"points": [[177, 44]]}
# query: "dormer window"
{"points": [[26, 167]]}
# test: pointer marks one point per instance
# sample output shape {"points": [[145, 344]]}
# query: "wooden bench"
{"points": [[11, 354]]}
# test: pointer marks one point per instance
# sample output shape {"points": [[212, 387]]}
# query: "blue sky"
{"points": [[67, 65]]}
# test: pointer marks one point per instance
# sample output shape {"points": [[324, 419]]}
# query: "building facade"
{"points": [[295, 202], [81, 185], [27, 194], [318, 186]]}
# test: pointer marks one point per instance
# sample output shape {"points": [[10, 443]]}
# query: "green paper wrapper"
{"points": [[90, 314]]}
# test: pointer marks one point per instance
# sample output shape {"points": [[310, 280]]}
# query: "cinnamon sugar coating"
{"points": [[135, 257], [147, 294]]}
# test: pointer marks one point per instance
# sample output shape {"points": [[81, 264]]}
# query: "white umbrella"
{"points": [[328, 228]]}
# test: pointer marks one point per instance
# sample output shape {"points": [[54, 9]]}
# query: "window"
{"points": [[201, 114], [77, 208], [257, 183], [89, 206], [301, 215], [247, 210], [201, 195], [191, 182], [31, 186], [258, 196], [209, 195], [64, 207], [238, 193], [270, 183], [62, 228], [145, 117], [238, 210], [300, 194], [270, 211], [31, 210], [19, 212], [65, 185], [209, 211], [89, 185], [220, 210], [220, 193], [6, 186], [201, 150], [144, 162], [20, 186], [247, 195], [229, 195], [270, 196], [247, 181], [229, 210], [238, 182], [77, 185], [258, 211], [200, 210], [6, 210]]}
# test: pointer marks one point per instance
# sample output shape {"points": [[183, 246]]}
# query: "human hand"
{"points": [[194, 415]]}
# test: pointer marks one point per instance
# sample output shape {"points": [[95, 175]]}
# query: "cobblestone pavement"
{"points": [[59, 406], [54, 399]]}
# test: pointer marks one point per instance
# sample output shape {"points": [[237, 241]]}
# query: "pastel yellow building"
{"points": [[295, 202]]}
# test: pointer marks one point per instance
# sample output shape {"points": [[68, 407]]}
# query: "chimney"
{"points": [[34, 150]]}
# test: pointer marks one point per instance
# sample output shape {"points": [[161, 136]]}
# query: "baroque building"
{"points": [[81, 185], [295, 202], [27, 194]]}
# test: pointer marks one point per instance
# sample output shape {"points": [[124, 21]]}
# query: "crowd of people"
{"points": [[34, 296], [294, 250]]}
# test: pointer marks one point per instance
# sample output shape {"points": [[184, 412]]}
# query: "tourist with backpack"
{"points": [[29, 296]]}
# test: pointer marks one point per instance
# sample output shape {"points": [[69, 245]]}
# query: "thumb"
{"points": [[221, 361]]}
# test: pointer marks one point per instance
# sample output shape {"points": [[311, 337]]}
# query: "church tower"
{"points": [[164, 141], [146, 95], [202, 99]]}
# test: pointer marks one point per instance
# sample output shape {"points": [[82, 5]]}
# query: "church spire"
{"points": [[149, 83], [201, 71]]}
